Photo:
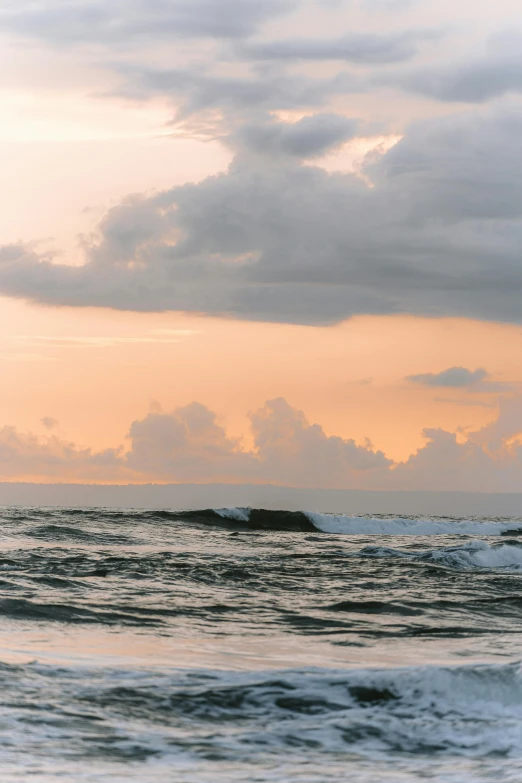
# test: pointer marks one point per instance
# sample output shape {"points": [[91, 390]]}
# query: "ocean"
{"points": [[246, 645]]}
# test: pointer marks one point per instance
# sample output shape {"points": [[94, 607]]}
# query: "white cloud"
{"points": [[26, 456], [190, 444]]}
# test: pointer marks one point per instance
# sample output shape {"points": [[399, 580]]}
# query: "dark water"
{"points": [[258, 646]]}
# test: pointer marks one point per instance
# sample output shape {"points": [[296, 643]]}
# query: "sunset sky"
{"points": [[262, 241]]}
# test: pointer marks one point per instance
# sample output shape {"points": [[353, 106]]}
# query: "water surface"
{"points": [[239, 645]]}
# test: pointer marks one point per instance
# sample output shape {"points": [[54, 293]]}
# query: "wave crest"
{"points": [[341, 524]]}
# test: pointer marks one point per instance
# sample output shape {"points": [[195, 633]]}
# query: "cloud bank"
{"points": [[190, 444], [438, 234], [432, 227]]}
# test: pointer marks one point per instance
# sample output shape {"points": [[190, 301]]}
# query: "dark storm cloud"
{"points": [[453, 377], [439, 234], [124, 21]]}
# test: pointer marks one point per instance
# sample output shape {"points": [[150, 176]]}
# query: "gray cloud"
{"points": [[475, 81], [308, 138], [454, 377], [477, 78], [125, 21], [237, 98], [438, 234], [357, 48]]}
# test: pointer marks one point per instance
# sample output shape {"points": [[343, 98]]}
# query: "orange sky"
{"points": [[95, 371], [70, 148]]}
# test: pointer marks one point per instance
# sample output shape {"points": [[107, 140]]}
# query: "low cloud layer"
{"points": [[453, 377], [191, 444]]}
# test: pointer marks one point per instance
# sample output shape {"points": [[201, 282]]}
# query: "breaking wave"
{"points": [[467, 711], [474, 554], [340, 524]]}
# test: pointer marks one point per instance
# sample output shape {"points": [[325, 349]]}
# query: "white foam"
{"points": [[306, 724], [480, 554], [239, 514], [363, 526]]}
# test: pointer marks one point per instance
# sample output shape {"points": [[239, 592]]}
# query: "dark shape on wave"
{"points": [[255, 519]]}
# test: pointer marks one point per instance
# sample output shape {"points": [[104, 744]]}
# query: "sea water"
{"points": [[243, 645]]}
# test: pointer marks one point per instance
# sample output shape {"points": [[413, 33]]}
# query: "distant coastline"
{"points": [[197, 496]]}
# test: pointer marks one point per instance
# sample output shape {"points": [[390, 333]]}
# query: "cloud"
{"points": [[49, 423], [477, 81], [357, 48], [496, 72], [188, 444], [490, 460], [454, 377], [128, 21], [300, 453], [308, 138], [191, 444], [207, 94], [438, 234], [26, 456]]}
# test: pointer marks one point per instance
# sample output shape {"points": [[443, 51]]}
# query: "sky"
{"points": [[269, 242]]}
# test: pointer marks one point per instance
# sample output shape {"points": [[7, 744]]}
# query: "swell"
{"points": [[339, 524], [246, 519], [57, 523]]}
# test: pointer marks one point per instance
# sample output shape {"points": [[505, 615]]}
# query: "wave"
{"points": [[473, 711], [247, 519], [26, 610], [340, 524], [473, 554], [57, 527]]}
